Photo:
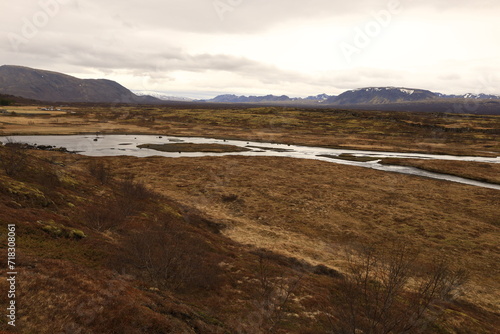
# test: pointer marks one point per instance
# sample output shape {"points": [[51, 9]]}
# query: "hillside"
{"points": [[57, 87], [214, 245]]}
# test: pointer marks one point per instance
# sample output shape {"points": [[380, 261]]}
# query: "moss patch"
{"points": [[61, 231]]}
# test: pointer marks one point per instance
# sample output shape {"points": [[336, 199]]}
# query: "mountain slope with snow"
{"points": [[381, 95]]}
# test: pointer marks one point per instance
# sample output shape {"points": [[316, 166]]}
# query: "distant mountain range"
{"points": [[57, 87], [50, 86], [162, 96], [231, 98], [471, 96], [362, 96]]}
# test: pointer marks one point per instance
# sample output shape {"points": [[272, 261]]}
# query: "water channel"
{"points": [[117, 145]]}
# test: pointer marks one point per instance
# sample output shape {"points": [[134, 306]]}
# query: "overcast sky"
{"points": [[202, 48]]}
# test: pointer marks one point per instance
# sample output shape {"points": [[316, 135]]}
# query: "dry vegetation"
{"points": [[485, 172], [251, 244]]}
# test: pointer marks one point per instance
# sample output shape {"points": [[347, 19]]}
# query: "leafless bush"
{"points": [[131, 196], [132, 189], [274, 295], [100, 171], [13, 158], [387, 292], [168, 258], [128, 199], [271, 300], [103, 216]]}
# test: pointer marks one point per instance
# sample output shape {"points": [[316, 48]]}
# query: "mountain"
{"points": [[473, 96], [381, 95], [162, 96], [231, 98], [57, 87], [319, 98]]}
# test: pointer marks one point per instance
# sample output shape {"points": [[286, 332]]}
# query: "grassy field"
{"points": [[249, 244], [485, 172]]}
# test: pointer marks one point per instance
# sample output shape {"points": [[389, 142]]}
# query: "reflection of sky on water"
{"points": [[117, 145]]}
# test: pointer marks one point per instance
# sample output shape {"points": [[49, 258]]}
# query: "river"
{"points": [[116, 145]]}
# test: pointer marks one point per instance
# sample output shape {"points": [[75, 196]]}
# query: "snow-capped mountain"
{"points": [[381, 95], [319, 98], [162, 96], [231, 98], [480, 96]]}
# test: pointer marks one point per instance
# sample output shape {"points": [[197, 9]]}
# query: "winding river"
{"points": [[116, 145]]}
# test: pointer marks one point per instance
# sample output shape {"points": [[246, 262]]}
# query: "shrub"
{"points": [[129, 198], [389, 292], [100, 171], [13, 158], [168, 258], [103, 216], [274, 294], [132, 196], [134, 190]]}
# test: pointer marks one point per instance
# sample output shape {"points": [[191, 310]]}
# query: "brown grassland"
{"points": [[251, 244], [470, 170]]}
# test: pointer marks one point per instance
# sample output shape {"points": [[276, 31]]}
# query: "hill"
{"points": [[57, 87]]}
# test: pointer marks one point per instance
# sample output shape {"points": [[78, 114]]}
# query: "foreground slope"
{"points": [[231, 245]]}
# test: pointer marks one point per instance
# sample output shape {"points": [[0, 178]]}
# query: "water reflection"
{"points": [[117, 145]]}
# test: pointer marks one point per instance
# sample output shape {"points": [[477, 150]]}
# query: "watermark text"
{"points": [[11, 274]]}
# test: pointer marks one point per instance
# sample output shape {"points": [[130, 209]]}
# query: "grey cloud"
{"points": [[252, 16], [142, 38]]}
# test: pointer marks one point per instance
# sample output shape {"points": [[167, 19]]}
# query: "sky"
{"points": [[203, 48]]}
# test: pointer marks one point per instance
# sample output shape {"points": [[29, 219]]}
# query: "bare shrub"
{"points": [[100, 171], [45, 175], [13, 158], [103, 216], [168, 258], [273, 295], [131, 189], [131, 196], [388, 292], [128, 199]]}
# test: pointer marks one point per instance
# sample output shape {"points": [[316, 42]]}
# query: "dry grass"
{"points": [[311, 210], [480, 171]]}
